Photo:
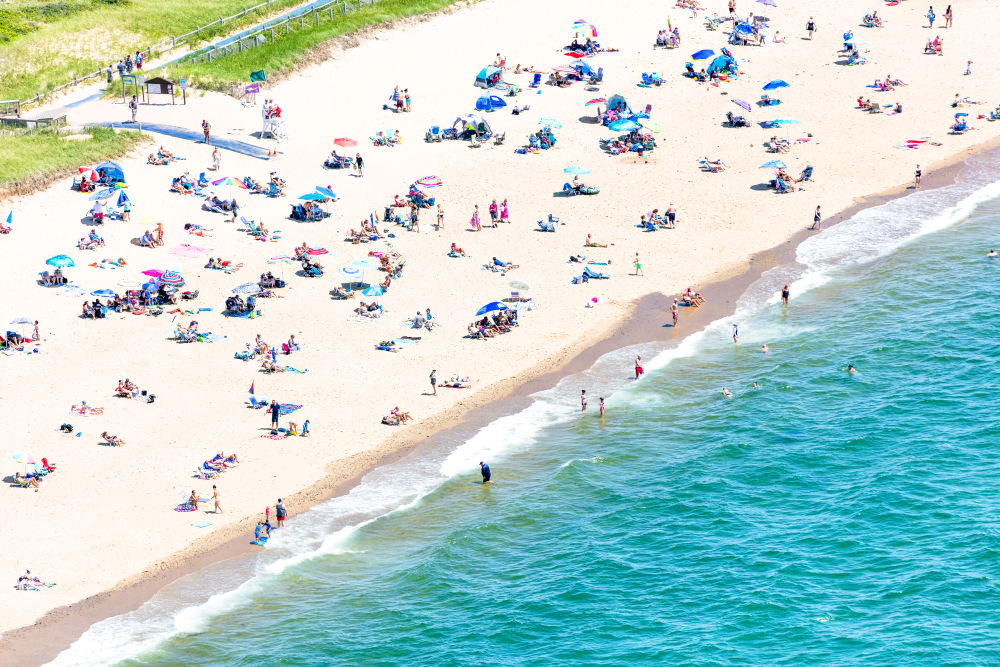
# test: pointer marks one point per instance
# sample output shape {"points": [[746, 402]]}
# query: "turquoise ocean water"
{"points": [[824, 518]]}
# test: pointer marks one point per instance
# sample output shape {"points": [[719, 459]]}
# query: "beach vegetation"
{"points": [[32, 160]]}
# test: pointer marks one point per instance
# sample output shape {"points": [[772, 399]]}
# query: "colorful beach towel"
{"points": [[288, 408], [184, 507]]}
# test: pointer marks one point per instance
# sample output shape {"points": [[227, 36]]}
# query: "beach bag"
{"points": [[66, 428]]}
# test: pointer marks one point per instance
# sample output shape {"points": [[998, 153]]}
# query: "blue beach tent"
{"points": [[489, 76]]}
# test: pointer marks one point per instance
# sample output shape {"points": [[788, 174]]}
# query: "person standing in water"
{"points": [[674, 313], [916, 178], [784, 294], [817, 220], [583, 400], [638, 366], [485, 471], [736, 332], [602, 407]]}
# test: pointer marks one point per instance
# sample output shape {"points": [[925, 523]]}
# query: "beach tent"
{"points": [[473, 121], [583, 69], [723, 62], [489, 103], [618, 103], [111, 172], [489, 76]]}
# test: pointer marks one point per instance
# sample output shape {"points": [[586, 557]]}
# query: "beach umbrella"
{"points": [[311, 196], [574, 54], [744, 28], [351, 274], [961, 113], [60, 261], [704, 54], [27, 458], [576, 170], [492, 306], [649, 124], [623, 125], [777, 83], [564, 69], [856, 40], [786, 121], [596, 100], [152, 273], [550, 122], [171, 278], [519, 285], [247, 288], [151, 286], [769, 3], [774, 164], [102, 194], [122, 198], [23, 321], [345, 142], [231, 182], [280, 260], [742, 103], [364, 264], [326, 192], [130, 284], [317, 251], [103, 293], [430, 182], [374, 290]]}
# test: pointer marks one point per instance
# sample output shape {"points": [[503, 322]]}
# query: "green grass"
{"points": [[29, 160], [48, 42], [287, 51]]}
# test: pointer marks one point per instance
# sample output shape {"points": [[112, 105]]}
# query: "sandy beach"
{"points": [[106, 519]]}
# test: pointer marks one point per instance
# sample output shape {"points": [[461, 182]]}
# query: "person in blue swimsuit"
{"points": [[485, 470]]}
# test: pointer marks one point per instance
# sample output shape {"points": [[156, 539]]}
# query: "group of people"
{"points": [[502, 322], [668, 38], [235, 304], [396, 417]]}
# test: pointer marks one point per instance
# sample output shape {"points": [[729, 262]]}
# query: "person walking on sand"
{"points": [[583, 400], [215, 499], [279, 511], [947, 17], [484, 470], [968, 68], [504, 214], [275, 411], [359, 163], [930, 17], [434, 382], [206, 130], [440, 218], [674, 313], [133, 105], [817, 220], [216, 159], [784, 294], [638, 265], [916, 178], [810, 27], [638, 366]]}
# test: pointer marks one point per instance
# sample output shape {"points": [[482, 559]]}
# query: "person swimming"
{"points": [[727, 393], [851, 369], [992, 253], [485, 470]]}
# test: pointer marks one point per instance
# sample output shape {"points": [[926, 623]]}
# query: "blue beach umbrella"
{"points": [[351, 274], [102, 194], [365, 264], [326, 192], [247, 288], [704, 54], [744, 28], [769, 3], [492, 306], [576, 170], [104, 293], [961, 113], [742, 104], [374, 290], [777, 83], [774, 164], [311, 196], [60, 261], [122, 198], [786, 121], [623, 125], [151, 286]]}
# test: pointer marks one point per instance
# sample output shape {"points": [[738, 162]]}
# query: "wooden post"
{"points": [[272, 31], [301, 23], [316, 14]]}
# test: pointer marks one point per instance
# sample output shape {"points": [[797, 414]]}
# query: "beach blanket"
{"points": [[275, 436], [294, 370], [184, 507], [86, 411], [187, 250], [288, 408]]}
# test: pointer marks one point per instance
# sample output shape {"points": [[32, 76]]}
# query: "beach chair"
{"points": [[536, 80], [46, 466], [781, 188], [594, 275], [433, 134], [806, 174], [258, 404], [273, 190], [649, 226], [498, 139], [596, 78], [547, 226]]}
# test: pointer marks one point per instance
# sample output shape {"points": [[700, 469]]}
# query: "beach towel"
{"points": [[275, 436], [295, 370], [184, 507], [288, 408], [187, 250], [86, 411]]}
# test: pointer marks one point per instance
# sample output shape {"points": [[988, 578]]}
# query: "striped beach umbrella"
{"points": [[430, 182], [172, 278], [596, 100], [317, 251]]}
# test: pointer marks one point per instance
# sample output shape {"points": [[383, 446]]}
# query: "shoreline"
{"points": [[43, 640]]}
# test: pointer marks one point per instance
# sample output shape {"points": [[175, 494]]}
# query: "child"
{"points": [[305, 428]]}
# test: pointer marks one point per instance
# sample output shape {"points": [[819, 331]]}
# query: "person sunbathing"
{"points": [[718, 165], [390, 420], [112, 440], [152, 159], [692, 297], [164, 153], [403, 416], [277, 181], [269, 366], [590, 243], [894, 82], [30, 480], [455, 250]]}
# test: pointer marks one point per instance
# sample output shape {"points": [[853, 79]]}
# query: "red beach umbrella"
{"points": [[345, 142]]}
